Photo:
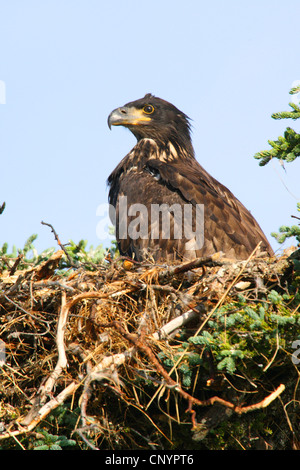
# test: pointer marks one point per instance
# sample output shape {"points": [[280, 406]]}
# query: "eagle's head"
{"points": [[153, 118]]}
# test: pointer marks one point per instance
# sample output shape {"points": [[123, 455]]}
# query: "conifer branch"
{"points": [[287, 147]]}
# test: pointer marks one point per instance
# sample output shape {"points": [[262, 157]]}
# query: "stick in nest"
{"points": [[141, 345], [46, 388], [214, 260], [59, 242]]}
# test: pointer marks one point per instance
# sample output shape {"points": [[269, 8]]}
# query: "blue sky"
{"points": [[67, 63]]}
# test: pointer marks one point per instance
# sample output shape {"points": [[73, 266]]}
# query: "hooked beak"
{"points": [[127, 116]]}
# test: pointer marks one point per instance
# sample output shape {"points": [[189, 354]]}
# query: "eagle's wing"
{"points": [[138, 189], [228, 226]]}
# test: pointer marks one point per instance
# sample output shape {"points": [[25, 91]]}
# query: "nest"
{"points": [[114, 344]]}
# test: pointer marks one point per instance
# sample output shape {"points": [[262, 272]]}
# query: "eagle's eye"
{"points": [[148, 109]]}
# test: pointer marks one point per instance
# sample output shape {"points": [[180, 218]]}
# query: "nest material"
{"points": [[87, 336]]}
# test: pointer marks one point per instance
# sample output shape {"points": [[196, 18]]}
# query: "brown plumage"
{"points": [[162, 169]]}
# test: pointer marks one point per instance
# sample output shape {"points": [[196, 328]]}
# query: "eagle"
{"points": [[165, 206]]}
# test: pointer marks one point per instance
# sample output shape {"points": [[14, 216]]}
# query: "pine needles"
{"points": [[287, 147]]}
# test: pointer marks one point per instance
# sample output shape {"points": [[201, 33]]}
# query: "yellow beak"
{"points": [[126, 116]]}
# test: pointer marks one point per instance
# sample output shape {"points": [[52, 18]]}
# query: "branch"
{"points": [[145, 348], [197, 263], [43, 412], [59, 242], [111, 362], [62, 362]]}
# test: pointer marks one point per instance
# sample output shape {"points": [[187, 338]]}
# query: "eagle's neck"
{"points": [[147, 149]]}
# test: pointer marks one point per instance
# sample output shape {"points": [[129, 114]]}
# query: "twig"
{"points": [[15, 286], [59, 242], [142, 346], [274, 355], [46, 388], [197, 263], [98, 295], [80, 432], [239, 409], [23, 310], [174, 324], [39, 284], [262, 404], [228, 289], [16, 264], [43, 411], [54, 403], [119, 359]]}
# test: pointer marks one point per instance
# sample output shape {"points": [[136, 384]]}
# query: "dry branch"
{"points": [[213, 260], [42, 412], [47, 387], [58, 241], [142, 346]]}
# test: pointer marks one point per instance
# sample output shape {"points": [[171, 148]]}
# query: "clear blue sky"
{"points": [[67, 63]]}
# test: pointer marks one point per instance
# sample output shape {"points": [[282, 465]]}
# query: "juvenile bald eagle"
{"points": [[166, 204]]}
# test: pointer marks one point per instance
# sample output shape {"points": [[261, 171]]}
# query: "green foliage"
{"points": [[236, 327], [287, 232], [45, 437], [78, 254], [285, 149], [48, 441], [242, 336]]}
